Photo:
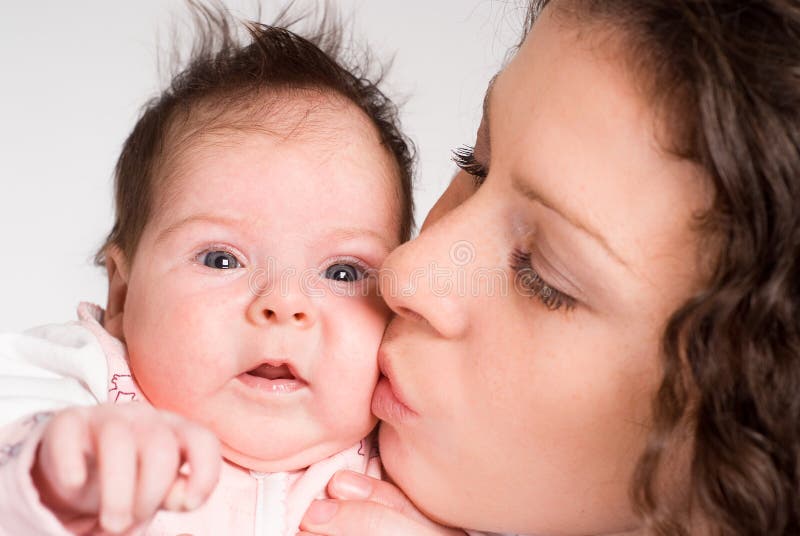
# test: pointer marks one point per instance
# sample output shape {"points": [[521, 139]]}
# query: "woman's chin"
{"points": [[421, 486]]}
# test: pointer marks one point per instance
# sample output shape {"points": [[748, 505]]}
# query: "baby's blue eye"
{"points": [[221, 260], [343, 272]]}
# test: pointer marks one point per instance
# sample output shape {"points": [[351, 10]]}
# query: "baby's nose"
{"points": [[299, 317], [295, 309]]}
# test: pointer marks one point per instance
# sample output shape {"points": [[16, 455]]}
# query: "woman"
{"points": [[636, 178]]}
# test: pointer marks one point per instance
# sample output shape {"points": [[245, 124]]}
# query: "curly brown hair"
{"points": [[226, 74], [726, 76]]}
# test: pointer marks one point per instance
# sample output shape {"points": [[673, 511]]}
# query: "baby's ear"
{"points": [[117, 268]]}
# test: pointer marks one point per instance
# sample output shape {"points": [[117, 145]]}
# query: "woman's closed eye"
{"points": [[531, 284], [464, 158]]}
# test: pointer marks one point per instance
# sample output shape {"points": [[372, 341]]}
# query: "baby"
{"points": [[231, 372]]}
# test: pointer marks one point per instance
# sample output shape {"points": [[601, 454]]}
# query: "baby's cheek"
{"points": [[356, 322], [153, 373], [353, 357], [346, 410], [161, 362], [376, 308], [364, 336]]}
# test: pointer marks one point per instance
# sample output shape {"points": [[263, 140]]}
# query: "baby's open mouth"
{"points": [[274, 377], [273, 372]]}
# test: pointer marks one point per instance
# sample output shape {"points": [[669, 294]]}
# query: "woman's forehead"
{"points": [[571, 130]]}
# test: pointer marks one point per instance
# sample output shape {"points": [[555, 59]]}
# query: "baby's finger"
{"points": [[159, 459], [63, 452], [116, 468], [202, 452], [61, 471]]}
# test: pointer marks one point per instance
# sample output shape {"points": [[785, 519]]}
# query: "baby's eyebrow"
{"points": [[197, 218], [349, 233]]}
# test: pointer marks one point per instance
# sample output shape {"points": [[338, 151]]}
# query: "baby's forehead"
{"points": [[212, 126], [314, 130], [322, 120]]}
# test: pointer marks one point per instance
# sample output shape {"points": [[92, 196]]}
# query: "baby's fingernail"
{"points": [[321, 511], [351, 486], [115, 522], [74, 477], [176, 498], [192, 501]]}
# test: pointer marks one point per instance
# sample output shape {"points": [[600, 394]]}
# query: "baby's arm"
{"points": [[117, 465], [41, 372], [61, 370]]}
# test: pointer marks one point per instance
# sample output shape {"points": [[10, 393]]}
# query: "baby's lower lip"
{"points": [[277, 386]]}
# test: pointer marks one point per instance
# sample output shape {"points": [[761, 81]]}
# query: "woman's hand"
{"points": [[364, 505]]}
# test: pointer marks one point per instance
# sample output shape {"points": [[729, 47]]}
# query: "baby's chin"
{"points": [[297, 460]]}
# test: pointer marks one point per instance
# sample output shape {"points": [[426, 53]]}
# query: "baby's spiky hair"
{"points": [[225, 70]]}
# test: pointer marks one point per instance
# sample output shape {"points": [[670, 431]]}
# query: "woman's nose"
{"points": [[283, 307], [424, 280]]}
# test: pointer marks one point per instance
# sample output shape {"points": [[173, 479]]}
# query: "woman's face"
{"points": [[530, 309]]}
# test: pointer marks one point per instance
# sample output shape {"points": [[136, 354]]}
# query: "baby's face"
{"points": [[247, 308]]}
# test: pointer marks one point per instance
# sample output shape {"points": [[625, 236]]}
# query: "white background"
{"points": [[74, 75]]}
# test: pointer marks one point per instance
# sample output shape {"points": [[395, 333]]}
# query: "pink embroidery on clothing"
{"points": [[36, 418], [373, 449], [124, 386], [9, 451]]}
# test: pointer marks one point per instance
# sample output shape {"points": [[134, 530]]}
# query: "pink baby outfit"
{"points": [[80, 364]]}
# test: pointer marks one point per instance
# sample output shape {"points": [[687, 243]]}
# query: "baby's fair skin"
{"points": [[250, 318]]}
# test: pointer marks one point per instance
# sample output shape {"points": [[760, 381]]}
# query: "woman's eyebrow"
{"points": [[523, 188]]}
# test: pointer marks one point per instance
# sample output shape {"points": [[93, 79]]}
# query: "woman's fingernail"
{"points": [[321, 511], [351, 486]]}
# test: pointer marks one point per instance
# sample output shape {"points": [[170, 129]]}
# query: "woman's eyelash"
{"points": [[532, 284], [464, 158]]}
